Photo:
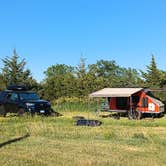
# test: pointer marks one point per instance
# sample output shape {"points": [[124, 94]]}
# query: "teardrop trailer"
{"points": [[131, 101]]}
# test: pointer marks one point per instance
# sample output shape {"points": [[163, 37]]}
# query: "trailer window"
{"points": [[144, 102], [121, 102]]}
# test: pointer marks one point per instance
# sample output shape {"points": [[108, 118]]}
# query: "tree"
{"points": [[153, 75], [105, 73], [163, 79], [14, 71], [81, 78], [59, 81], [155, 78], [128, 77], [2, 83]]}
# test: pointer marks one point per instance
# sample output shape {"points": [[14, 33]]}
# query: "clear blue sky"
{"points": [[47, 32]]}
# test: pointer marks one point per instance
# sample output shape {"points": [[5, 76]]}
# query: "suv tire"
{"points": [[21, 111], [2, 111]]}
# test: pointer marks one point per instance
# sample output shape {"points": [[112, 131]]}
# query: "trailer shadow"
{"points": [[14, 140]]}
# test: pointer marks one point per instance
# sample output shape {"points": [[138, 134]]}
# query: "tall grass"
{"points": [[77, 104], [74, 104]]}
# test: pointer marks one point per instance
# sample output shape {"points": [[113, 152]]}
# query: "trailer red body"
{"points": [[138, 100]]}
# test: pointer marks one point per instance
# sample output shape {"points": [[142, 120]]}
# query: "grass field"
{"points": [[57, 141]]}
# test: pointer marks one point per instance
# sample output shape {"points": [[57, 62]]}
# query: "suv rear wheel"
{"points": [[2, 111]]}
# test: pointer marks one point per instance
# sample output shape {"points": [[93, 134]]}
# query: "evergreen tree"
{"points": [[163, 79], [81, 78], [153, 75], [14, 71], [2, 83]]}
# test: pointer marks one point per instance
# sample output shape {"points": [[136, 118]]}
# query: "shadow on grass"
{"points": [[14, 140]]}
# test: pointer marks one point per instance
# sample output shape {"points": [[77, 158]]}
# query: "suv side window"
{"points": [[14, 97]]}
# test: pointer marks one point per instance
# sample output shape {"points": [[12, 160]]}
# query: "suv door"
{"points": [[12, 101]]}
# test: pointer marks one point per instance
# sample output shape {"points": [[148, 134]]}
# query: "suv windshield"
{"points": [[29, 96]]}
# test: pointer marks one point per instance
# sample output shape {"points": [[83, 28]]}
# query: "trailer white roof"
{"points": [[115, 92]]}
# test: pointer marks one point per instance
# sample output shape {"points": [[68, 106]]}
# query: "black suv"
{"points": [[17, 99]]}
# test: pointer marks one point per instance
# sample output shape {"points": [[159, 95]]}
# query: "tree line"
{"points": [[63, 80]]}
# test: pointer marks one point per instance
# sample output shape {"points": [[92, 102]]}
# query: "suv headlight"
{"points": [[30, 104], [49, 103]]}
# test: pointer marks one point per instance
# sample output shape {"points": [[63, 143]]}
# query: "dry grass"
{"points": [[57, 141]]}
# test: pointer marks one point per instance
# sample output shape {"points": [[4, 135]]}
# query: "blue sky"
{"points": [[47, 32]]}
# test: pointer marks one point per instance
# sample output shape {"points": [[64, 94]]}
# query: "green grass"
{"points": [[57, 141]]}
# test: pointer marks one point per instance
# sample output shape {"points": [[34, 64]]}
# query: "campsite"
{"points": [[83, 83], [41, 140], [83, 135], [61, 140]]}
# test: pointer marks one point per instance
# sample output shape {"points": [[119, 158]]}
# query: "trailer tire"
{"points": [[135, 114], [130, 115], [138, 115]]}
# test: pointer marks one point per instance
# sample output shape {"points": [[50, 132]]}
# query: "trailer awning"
{"points": [[115, 92]]}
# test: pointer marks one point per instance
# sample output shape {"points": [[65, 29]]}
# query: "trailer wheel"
{"points": [[130, 115], [135, 114], [138, 114]]}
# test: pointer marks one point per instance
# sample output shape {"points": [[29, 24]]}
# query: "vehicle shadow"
{"points": [[14, 140]]}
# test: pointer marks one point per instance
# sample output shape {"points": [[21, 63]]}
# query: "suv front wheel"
{"points": [[21, 111]]}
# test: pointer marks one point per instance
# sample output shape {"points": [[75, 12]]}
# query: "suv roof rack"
{"points": [[17, 87]]}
